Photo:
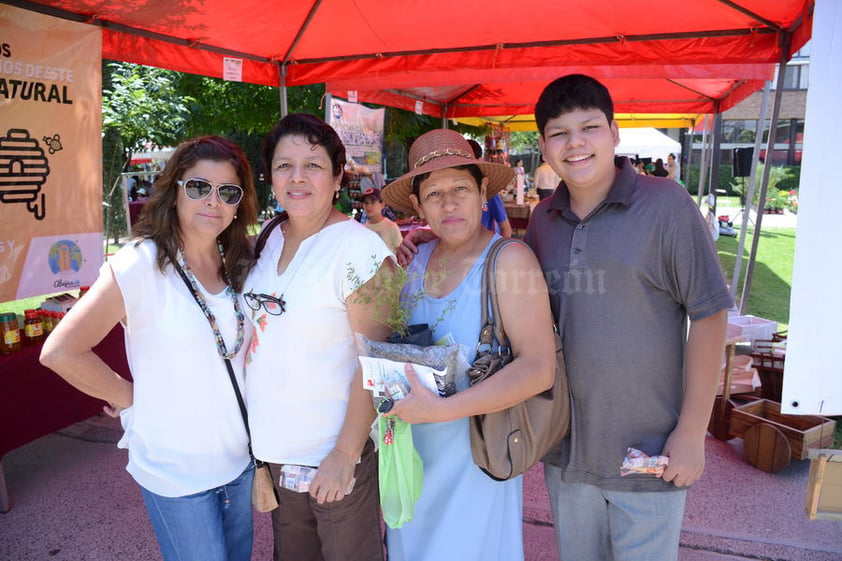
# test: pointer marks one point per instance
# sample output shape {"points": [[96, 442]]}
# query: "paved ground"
{"points": [[72, 500]]}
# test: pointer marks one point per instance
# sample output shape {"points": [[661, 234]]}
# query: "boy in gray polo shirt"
{"points": [[628, 260]]}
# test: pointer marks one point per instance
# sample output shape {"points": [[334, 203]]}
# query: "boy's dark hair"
{"points": [[315, 130], [569, 93]]}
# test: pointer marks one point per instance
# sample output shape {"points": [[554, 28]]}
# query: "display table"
{"points": [[518, 215], [135, 208], [35, 401]]}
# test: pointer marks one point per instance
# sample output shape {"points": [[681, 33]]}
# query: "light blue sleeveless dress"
{"points": [[462, 514]]}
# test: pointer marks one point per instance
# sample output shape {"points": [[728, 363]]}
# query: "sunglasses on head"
{"points": [[197, 189]]}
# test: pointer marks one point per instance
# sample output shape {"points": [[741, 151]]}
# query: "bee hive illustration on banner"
{"points": [[23, 171]]}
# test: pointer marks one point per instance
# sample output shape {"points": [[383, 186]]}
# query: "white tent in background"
{"points": [[646, 142]]}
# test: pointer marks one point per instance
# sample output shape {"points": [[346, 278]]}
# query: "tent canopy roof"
{"points": [[680, 46]]}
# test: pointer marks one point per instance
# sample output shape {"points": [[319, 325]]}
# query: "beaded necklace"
{"points": [[220, 342]]}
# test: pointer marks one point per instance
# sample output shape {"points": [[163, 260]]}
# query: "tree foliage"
{"points": [[143, 103], [140, 107], [221, 107], [521, 142]]}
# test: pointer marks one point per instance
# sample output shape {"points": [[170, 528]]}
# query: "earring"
{"points": [[235, 216], [484, 207]]}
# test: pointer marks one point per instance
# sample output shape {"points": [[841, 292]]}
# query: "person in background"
{"points": [[639, 167], [494, 216], [187, 442], [388, 231], [674, 168], [546, 180], [629, 261], [519, 169], [462, 513], [660, 170], [132, 183], [309, 411]]}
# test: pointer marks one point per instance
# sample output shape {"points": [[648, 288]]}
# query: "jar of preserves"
{"points": [[46, 321], [10, 340], [33, 327]]}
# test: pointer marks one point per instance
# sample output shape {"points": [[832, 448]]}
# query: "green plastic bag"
{"points": [[401, 471]]}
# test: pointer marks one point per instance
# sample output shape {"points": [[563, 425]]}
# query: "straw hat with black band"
{"points": [[440, 149]]}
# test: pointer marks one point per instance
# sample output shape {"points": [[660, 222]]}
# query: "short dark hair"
{"points": [[569, 93], [315, 130]]}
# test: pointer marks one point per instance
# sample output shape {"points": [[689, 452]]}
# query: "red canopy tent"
{"points": [[659, 50], [502, 100]]}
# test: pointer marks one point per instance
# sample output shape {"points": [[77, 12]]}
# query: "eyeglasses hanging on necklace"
{"points": [[273, 305]]}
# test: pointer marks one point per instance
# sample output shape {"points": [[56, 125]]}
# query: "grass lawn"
{"points": [[772, 277]]}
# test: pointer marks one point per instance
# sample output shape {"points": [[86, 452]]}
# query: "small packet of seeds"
{"points": [[638, 462]]}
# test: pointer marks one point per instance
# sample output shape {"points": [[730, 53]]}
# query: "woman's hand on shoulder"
{"points": [[409, 246]]}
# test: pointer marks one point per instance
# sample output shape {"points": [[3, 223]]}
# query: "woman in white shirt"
{"points": [[175, 291], [310, 415]]}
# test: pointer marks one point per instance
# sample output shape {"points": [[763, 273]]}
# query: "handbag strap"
{"points": [[228, 366], [263, 236], [491, 321]]}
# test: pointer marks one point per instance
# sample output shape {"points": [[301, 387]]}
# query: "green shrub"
{"points": [[726, 179], [777, 197]]}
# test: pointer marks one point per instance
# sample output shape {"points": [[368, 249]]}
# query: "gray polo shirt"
{"points": [[623, 283]]}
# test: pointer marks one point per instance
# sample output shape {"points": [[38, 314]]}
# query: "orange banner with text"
{"points": [[50, 154]]}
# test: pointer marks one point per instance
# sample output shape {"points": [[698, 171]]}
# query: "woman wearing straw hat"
{"points": [[462, 513]]}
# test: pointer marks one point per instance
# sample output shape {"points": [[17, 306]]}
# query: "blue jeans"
{"points": [[592, 523], [214, 525]]}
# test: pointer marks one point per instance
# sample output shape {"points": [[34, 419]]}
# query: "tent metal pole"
{"points": [[716, 151], [749, 193], [703, 170], [686, 148], [328, 100], [691, 141], [444, 116], [786, 39], [282, 75]]}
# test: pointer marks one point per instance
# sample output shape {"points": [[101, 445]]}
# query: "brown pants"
{"points": [[347, 530]]}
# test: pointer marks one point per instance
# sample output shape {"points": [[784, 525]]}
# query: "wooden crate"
{"points": [[824, 487], [802, 431], [770, 368]]}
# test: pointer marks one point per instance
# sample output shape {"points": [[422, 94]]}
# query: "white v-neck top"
{"points": [[184, 431], [301, 364]]}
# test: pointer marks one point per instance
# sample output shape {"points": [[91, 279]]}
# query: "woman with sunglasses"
{"points": [[309, 413], [175, 291]]}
